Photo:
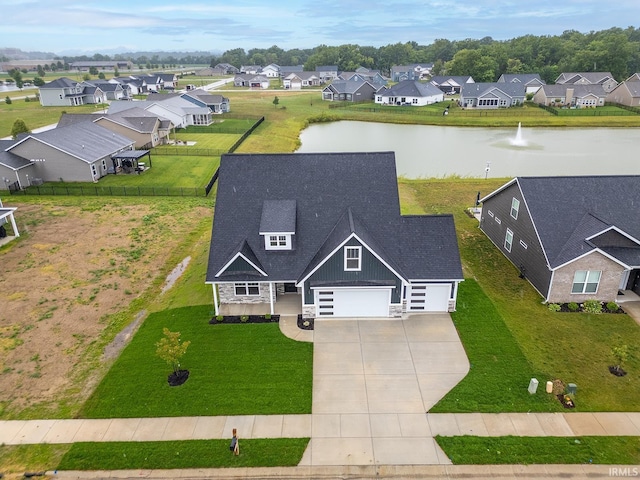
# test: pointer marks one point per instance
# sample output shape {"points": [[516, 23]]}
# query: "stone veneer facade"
{"points": [[227, 294], [608, 287]]}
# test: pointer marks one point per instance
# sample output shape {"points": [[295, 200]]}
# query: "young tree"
{"points": [[171, 349], [7, 100], [101, 76], [276, 101], [19, 127], [41, 72], [38, 81], [93, 70]]}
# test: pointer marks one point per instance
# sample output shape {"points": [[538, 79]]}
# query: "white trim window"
{"points": [[515, 206], [508, 240], [277, 241], [246, 289], [352, 259], [586, 281]]}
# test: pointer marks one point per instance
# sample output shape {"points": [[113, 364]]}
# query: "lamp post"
{"points": [[487, 169]]}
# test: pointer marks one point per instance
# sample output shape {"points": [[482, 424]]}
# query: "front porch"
{"points": [[285, 304]]}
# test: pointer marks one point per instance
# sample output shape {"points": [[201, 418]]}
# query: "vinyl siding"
{"points": [[532, 258], [56, 165], [372, 269]]}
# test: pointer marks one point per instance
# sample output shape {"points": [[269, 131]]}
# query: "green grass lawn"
{"points": [[276, 452], [219, 141], [572, 347], [466, 450], [499, 373], [237, 369]]}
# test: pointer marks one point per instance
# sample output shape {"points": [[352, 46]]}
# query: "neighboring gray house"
{"points": [[492, 95], [531, 81], [297, 80], [415, 71], [327, 227], [80, 152], [374, 77], [133, 85], [172, 106], [410, 92], [226, 69], [327, 73], [349, 91], [216, 102], [572, 238], [451, 85], [626, 93], [588, 78], [250, 69], [111, 91], [571, 96], [15, 171], [271, 71], [64, 92], [146, 129], [251, 80]]}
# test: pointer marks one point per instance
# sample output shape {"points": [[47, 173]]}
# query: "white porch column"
{"points": [[216, 308], [271, 296], [13, 225]]}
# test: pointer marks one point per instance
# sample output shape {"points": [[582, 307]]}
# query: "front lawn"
{"points": [[245, 369], [572, 347], [468, 450], [275, 452], [500, 373]]}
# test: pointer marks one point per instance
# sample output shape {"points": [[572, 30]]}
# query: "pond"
{"points": [[424, 151]]}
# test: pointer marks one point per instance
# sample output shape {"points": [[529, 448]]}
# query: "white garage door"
{"points": [[431, 297], [353, 302]]}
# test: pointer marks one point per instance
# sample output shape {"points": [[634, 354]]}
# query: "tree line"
{"points": [[614, 50]]}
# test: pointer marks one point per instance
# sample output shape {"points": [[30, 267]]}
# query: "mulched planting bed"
{"points": [[305, 323], [245, 319], [564, 307]]}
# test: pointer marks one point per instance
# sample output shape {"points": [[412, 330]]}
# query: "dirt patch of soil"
{"points": [[72, 267]]}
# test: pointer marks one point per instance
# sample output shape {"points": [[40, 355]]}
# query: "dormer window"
{"points": [[277, 242], [278, 223]]}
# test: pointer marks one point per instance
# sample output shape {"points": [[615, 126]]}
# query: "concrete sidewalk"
{"points": [[327, 426]]}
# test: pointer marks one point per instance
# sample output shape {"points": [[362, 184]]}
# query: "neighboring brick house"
{"points": [[573, 238], [327, 227]]}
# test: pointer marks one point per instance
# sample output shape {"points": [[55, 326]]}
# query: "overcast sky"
{"points": [[89, 26]]}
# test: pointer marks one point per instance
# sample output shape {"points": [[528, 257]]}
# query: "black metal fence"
{"points": [[142, 191], [112, 191]]}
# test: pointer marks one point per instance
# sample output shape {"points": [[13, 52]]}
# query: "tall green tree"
{"points": [[19, 127]]}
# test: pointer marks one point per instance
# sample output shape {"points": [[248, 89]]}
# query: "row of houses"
{"points": [[64, 91], [573, 90], [86, 147]]}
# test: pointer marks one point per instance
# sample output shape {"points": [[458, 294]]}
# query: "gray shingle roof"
{"points": [[566, 210], [473, 90], [591, 77], [524, 78], [335, 194], [579, 91], [84, 140], [10, 160], [411, 88]]}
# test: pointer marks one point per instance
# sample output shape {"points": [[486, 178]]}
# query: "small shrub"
{"points": [[553, 307], [7, 100], [612, 306], [573, 306], [219, 318], [244, 318], [592, 306], [267, 316]]}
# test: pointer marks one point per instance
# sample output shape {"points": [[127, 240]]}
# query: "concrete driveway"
{"points": [[373, 382]]}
